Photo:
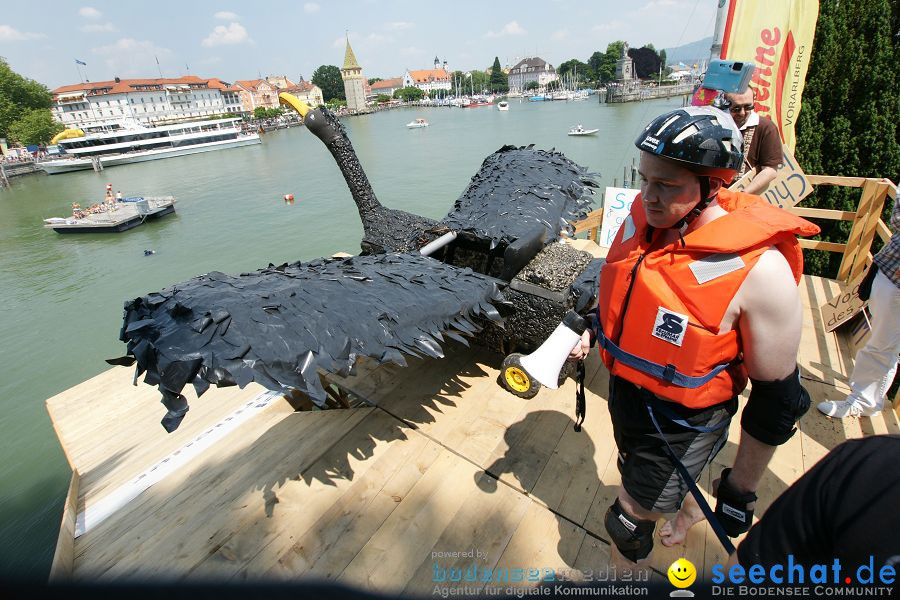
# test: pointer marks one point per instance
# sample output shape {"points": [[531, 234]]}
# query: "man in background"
{"points": [[762, 143]]}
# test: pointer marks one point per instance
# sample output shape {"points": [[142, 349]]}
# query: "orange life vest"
{"points": [[660, 307]]}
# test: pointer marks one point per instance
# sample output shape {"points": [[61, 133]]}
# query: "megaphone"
{"points": [[523, 375]]}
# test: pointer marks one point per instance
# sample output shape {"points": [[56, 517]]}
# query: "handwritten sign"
{"points": [[844, 307], [860, 331], [616, 206], [789, 187]]}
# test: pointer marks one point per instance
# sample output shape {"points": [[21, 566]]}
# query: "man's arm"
{"points": [[760, 181], [770, 323]]}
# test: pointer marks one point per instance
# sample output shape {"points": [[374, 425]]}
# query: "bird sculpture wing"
{"points": [[279, 325], [519, 189]]}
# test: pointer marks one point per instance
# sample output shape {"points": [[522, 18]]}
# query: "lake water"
{"points": [[62, 296]]}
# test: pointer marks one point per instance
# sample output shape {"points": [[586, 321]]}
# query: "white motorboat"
{"points": [[138, 144], [503, 105], [418, 123], [579, 130]]}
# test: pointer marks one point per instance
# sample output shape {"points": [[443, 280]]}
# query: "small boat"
{"points": [[536, 98], [579, 130], [503, 105], [417, 124]]}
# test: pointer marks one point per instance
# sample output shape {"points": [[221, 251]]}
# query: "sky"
{"points": [[232, 40]]}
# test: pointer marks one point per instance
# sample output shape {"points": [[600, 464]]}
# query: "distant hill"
{"points": [[689, 53]]}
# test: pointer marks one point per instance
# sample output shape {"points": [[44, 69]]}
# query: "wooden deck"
{"points": [[444, 461]]}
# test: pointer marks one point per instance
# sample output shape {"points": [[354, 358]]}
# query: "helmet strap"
{"points": [[695, 212]]}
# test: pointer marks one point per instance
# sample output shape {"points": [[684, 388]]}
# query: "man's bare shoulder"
{"points": [[769, 285]]}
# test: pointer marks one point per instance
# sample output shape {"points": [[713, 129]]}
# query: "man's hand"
{"points": [[582, 348]]}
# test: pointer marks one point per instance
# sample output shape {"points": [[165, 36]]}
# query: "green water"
{"points": [[61, 296]]}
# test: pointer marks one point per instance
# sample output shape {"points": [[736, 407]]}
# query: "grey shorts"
{"points": [[648, 474]]}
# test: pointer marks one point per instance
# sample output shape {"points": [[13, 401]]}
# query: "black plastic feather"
{"points": [[279, 325]]}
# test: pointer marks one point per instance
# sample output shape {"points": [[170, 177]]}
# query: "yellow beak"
{"points": [[290, 100]]}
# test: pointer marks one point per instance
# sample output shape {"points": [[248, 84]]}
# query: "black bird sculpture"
{"points": [[416, 281]]}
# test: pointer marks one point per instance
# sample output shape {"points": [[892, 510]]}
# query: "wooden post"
{"points": [[4, 180], [863, 231]]}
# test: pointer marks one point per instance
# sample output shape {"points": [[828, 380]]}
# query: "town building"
{"points": [[354, 81], [531, 69], [387, 86], [147, 101], [256, 93], [428, 80], [307, 92]]}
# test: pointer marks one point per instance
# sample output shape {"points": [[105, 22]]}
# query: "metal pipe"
{"points": [[429, 248]]}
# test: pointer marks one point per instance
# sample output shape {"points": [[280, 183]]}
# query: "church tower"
{"points": [[354, 82]]}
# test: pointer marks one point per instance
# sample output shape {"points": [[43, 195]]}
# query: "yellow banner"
{"points": [[777, 35]]}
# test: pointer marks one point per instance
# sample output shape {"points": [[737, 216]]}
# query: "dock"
{"points": [[121, 216], [439, 469]]}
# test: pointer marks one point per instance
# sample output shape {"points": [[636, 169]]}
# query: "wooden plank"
{"points": [[542, 542], [883, 231], [861, 230], [835, 180], [593, 221], [325, 549], [822, 213], [352, 473], [245, 470], [482, 529], [430, 506], [821, 245], [63, 566]]}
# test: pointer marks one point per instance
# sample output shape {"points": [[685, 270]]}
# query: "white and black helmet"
{"points": [[705, 139]]}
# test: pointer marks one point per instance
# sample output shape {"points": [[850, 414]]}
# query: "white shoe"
{"points": [[839, 409]]}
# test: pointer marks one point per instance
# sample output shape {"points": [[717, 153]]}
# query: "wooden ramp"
{"points": [[390, 497]]}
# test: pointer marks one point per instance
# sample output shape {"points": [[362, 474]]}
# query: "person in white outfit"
{"points": [[876, 362]]}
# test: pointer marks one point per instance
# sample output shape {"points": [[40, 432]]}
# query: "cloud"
{"points": [[221, 35], [130, 57], [560, 35], [225, 16], [98, 27], [511, 28], [89, 12], [8, 34], [311, 7], [399, 25]]}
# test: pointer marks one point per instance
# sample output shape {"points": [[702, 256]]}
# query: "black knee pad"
{"points": [[774, 407], [633, 537]]}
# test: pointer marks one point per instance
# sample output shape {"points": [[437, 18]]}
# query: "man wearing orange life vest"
{"points": [[699, 293]]}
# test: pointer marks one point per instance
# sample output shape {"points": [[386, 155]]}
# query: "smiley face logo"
{"points": [[682, 573]]}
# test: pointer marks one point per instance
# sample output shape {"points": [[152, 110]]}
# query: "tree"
{"points": [[409, 94], [851, 106], [261, 112], [499, 81], [37, 126], [328, 78], [382, 98], [575, 66], [646, 62], [595, 62], [18, 95], [374, 79], [532, 85], [607, 69], [662, 57]]}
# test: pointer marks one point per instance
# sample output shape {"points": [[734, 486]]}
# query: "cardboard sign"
{"points": [[789, 187], [616, 206], [841, 309]]}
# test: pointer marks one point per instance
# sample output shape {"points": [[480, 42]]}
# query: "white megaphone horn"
{"points": [[523, 375]]}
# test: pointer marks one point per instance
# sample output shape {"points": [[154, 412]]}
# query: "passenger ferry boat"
{"points": [[117, 144]]}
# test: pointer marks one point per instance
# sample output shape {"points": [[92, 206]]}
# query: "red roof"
{"points": [[427, 75], [384, 84], [134, 85]]}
